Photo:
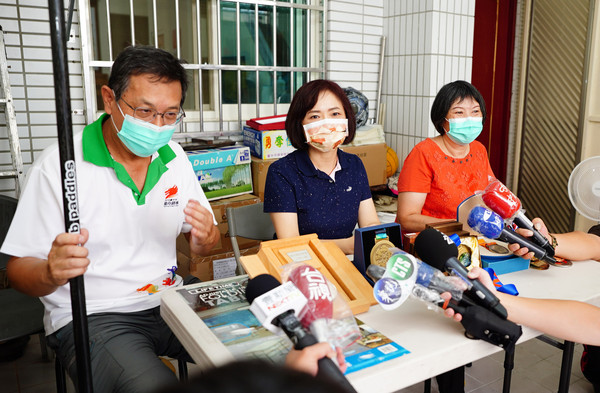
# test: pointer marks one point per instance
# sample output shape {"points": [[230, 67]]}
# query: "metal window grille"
{"points": [[204, 23]]}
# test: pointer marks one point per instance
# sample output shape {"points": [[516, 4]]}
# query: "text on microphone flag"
{"points": [[317, 285], [400, 267]]}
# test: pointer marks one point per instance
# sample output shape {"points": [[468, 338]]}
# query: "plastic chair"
{"points": [[22, 315], [250, 222]]}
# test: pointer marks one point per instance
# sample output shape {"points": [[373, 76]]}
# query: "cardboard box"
{"points": [[372, 156], [267, 123], [204, 267], [271, 144], [223, 172], [259, 176], [374, 160]]}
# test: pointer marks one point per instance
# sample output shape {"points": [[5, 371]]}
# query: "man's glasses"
{"points": [[149, 114]]}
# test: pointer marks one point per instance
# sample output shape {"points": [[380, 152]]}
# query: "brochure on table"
{"points": [[213, 322]]}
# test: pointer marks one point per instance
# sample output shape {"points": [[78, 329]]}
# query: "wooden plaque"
{"points": [[323, 256]]}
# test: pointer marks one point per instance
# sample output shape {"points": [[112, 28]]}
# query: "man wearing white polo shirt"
{"points": [[137, 192]]}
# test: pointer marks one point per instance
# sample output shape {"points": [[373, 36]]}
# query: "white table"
{"points": [[437, 344]]}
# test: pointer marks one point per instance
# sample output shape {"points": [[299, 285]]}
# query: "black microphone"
{"points": [[439, 251], [523, 222], [491, 225], [274, 304], [479, 322]]}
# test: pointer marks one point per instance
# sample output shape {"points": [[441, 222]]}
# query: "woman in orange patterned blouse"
{"points": [[441, 172]]}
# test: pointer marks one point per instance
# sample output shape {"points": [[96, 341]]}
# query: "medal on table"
{"points": [[380, 253]]}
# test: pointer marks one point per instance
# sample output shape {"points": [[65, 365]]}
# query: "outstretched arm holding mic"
{"points": [[404, 274], [437, 249], [491, 225], [307, 359], [276, 307], [508, 206], [567, 319], [575, 245]]}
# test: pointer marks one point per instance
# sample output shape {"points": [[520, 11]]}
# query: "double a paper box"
{"points": [[270, 144], [223, 172]]}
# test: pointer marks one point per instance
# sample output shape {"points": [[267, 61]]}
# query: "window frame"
{"points": [[316, 60]]}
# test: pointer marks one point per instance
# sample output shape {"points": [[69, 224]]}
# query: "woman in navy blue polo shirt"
{"points": [[318, 188]]}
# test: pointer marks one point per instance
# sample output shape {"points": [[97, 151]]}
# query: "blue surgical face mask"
{"points": [[142, 138], [465, 130]]}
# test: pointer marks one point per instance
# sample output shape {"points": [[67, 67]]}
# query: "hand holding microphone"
{"points": [[404, 273], [506, 204], [440, 252], [428, 277], [275, 306], [491, 225]]}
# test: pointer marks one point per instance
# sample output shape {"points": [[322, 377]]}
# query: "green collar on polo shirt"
{"points": [[96, 152]]}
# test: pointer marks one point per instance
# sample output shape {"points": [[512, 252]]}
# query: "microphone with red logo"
{"points": [[506, 204], [275, 306], [319, 308]]}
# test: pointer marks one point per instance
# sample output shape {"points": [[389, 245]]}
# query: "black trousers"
{"points": [[590, 365], [452, 381]]}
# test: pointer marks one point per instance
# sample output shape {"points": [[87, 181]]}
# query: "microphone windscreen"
{"points": [[501, 200], [486, 222], [435, 248], [260, 285], [314, 286]]}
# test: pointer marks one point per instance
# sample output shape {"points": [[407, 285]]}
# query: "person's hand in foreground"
{"points": [[524, 252], [306, 360], [476, 273]]}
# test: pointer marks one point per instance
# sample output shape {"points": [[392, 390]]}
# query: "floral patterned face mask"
{"points": [[327, 134]]}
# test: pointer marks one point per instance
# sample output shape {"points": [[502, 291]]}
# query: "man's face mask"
{"points": [[465, 130], [142, 138], [325, 135]]}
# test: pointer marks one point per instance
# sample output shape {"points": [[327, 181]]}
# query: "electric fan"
{"points": [[584, 188]]}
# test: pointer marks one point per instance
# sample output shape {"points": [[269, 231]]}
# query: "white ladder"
{"points": [[6, 102]]}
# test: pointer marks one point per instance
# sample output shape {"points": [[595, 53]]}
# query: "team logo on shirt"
{"points": [[171, 197]]}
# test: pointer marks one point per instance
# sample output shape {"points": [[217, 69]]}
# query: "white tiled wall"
{"points": [[27, 37], [430, 43], [354, 31]]}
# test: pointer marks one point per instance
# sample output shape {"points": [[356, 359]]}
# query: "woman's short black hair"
{"points": [[304, 100], [138, 60], [458, 90]]}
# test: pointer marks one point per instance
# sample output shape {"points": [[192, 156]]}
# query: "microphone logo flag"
{"points": [[398, 280], [275, 302], [400, 267], [317, 286], [387, 291], [501, 200]]}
